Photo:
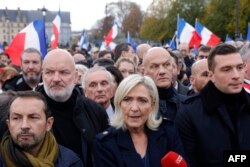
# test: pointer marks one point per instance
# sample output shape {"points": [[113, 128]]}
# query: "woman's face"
{"points": [[126, 69], [136, 106]]}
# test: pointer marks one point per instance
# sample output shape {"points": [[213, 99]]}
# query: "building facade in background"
{"points": [[13, 21]]}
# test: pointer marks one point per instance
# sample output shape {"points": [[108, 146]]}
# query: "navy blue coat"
{"points": [[206, 129], [114, 148], [169, 103], [66, 158]]}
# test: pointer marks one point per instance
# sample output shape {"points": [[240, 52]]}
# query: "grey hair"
{"points": [[94, 69], [245, 51], [153, 121], [82, 68], [31, 50]]}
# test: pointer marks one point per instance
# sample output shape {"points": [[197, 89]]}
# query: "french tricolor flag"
{"points": [[83, 41], [32, 36], [187, 33], [208, 38], [56, 24], [112, 34]]}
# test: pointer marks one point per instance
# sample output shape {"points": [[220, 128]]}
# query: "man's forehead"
{"points": [[17, 103], [57, 67], [102, 75], [228, 60], [27, 56], [62, 63], [158, 58]]}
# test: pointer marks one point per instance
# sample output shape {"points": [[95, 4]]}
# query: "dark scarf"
{"points": [[165, 93], [213, 98]]}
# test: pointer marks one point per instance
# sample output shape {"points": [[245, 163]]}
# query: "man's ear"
{"points": [[50, 122], [211, 75], [191, 79]]}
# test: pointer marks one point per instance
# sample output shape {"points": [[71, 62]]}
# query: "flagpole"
{"points": [[173, 38], [177, 39]]}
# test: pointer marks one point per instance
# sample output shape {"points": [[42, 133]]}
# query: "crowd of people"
{"points": [[125, 107]]}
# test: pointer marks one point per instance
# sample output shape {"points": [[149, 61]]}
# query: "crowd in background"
{"points": [[125, 107]]}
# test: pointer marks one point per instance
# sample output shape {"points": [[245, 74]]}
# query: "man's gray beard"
{"points": [[61, 97], [32, 80]]}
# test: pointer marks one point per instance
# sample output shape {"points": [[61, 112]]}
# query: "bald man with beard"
{"points": [[77, 119]]}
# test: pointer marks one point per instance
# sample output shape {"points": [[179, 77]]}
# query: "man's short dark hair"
{"points": [[174, 56], [119, 48], [204, 49], [222, 50], [104, 52], [31, 94], [103, 62], [116, 73]]}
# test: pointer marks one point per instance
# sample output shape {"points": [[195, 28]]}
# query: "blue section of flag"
{"points": [[199, 27], [1, 48], [83, 41], [40, 29], [131, 42], [172, 44], [248, 32], [180, 27]]}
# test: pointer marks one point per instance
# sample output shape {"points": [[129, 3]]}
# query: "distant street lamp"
{"points": [[44, 11]]}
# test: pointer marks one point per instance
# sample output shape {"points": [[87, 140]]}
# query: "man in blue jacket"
{"points": [[29, 141], [218, 118]]}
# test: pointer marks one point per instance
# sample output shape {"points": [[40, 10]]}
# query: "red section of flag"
{"points": [[195, 40], [214, 40], [54, 41], [16, 48], [109, 37]]}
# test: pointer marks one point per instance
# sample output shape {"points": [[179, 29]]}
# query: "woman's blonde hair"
{"points": [[153, 121]]}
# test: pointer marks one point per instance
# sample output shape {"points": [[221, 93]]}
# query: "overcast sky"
{"points": [[84, 13]]}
